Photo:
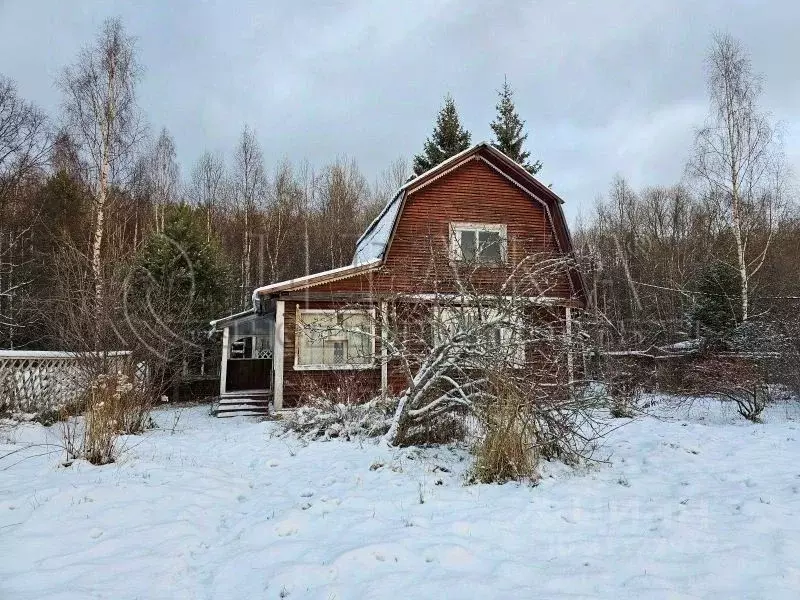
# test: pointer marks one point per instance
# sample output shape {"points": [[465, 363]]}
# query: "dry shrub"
{"points": [[101, 427], [114, 406], [625, 380], [732, 379], [445, 429], [507, 451]]}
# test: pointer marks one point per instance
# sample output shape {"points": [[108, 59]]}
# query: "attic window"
{"points": [[478, 242]]}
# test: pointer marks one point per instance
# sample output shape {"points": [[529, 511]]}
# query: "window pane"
{"points": [[489, 246], [467, 241], [335, 352], [334, 338]]}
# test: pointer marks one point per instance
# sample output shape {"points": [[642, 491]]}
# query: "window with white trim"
{"points": [[502, 332], [335, 339], [478, 242]]}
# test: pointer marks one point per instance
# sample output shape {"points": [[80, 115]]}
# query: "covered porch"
{"points": [[247, 373]]}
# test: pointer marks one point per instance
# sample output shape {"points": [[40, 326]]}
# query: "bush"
{"points": [[507, 451], [113, 407], [325, 417], [750, 400]]}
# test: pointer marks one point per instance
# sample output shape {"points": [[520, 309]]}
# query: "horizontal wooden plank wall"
{"points": [[299, 384], [419, 262]]}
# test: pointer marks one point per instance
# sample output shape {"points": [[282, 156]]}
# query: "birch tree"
{"points": [[164, 176], [249, 186], [738, 160], [102, 116], [281, 217], [207, 182]]}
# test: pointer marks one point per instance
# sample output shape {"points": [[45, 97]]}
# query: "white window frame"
{"points": [[505, 332], [370, 313], [456, 229]]}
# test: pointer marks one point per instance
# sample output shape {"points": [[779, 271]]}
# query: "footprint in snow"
{"points": [[306, 493], [273, 463], [286, 528]]}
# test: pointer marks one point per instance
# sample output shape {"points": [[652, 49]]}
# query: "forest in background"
{"points": [[97, 220]]}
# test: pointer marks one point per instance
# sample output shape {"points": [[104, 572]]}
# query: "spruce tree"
{"points": [[448, 139], [183, 269], [715, 312], [508, 128]]}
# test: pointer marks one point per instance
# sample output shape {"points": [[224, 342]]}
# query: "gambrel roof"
{"points": [[372, 246], [374, 242]]}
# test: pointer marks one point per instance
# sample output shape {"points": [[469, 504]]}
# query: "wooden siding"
{"points": [[418, 259], [300, 383]]}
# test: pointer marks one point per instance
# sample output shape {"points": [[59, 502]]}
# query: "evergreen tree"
{"points": [[448, 139], [184, 270], [716, 312], [508, 127]]}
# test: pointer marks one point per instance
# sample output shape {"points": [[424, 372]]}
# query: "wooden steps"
{"points": [[243, 404]]}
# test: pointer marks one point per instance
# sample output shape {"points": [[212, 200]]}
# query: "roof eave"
{"points": [[318, 278]]}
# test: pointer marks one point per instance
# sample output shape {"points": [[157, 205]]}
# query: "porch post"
{"points": [[277, 357], [568, 333], [223, 374], [384, 350]]}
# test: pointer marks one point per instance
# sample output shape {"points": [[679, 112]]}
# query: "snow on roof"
{"points": [[372, 244], [316, 278]]}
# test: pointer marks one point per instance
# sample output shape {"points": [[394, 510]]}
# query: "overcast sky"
{"points": [[606, 87]]}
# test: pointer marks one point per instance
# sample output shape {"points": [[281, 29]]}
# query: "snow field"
{"points": [[694, 503]]}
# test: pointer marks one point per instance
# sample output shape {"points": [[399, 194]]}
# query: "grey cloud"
{"points": [[611, 87]]}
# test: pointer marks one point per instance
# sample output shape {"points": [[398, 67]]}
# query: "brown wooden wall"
{"points": [[418, 261], [363, 384], [418, 258], [298, 384]]}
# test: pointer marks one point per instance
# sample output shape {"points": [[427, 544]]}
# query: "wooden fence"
{"points": [[35, 381]]}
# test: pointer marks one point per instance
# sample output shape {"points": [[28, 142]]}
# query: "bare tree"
{"points": [[281, 217], [738, 158], [249, 186], [24, 139], [341, 193], [206, 188], [24, 146], [164, 176], [102, 116]]}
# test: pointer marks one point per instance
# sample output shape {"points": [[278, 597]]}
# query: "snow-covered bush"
{"points": [[324, 417]]}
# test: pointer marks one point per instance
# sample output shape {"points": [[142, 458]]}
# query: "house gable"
{"points": [[472, 192], [406, 247]]}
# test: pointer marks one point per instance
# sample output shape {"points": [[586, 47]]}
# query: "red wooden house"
{"points": [[478, 208]]}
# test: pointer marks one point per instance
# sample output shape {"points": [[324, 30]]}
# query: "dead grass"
{"points": [[507, 451], [113, 407]]}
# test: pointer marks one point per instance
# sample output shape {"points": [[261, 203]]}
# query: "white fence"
{"points": [[34, 381]]}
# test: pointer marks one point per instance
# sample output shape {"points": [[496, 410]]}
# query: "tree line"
{"points": [[713, 257], [92, 204], [85, 195]]}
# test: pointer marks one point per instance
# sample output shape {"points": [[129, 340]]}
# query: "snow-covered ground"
{"points": [[698, 504]]}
